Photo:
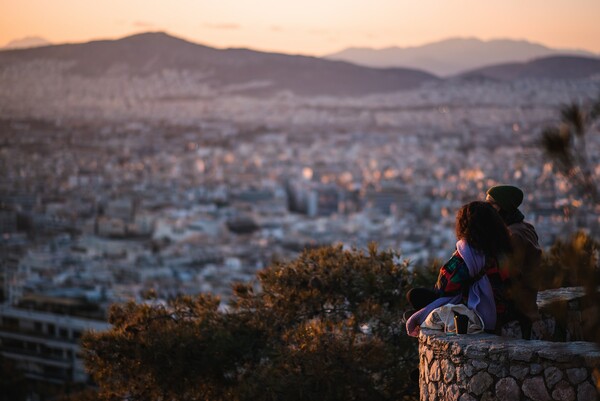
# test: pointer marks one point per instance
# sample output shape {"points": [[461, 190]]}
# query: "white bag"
{"points": [[442, 318]]}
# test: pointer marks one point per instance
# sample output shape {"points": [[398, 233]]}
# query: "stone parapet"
{"points": [[489, 367]]}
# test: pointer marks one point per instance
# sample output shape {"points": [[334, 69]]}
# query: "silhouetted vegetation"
{"points": [[565, 144], [326, 326], [575, 262], [571, 263]]}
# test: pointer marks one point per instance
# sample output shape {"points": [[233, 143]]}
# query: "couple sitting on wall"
{"points": [[493, 270]]}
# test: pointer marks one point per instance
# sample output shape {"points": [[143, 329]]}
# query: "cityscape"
{"points": [[113, 209], [117, 187]]}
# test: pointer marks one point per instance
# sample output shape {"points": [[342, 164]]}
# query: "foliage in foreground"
{"points": [[566, 145], [575, 262], [326, 326]]}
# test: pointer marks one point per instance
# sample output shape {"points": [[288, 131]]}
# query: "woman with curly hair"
{"points": [[473, 275]]}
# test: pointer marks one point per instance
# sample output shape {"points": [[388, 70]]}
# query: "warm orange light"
{"points": [[308, 27], [307, 173]]}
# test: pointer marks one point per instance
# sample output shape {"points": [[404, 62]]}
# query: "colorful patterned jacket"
{"points": [[454, 279]]}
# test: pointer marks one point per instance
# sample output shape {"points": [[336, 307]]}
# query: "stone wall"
{"points": [[489, 367]]}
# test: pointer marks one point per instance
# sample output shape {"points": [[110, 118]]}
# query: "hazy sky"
{"points": [[307, 26]]}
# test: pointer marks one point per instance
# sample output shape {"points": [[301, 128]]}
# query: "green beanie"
{"points": [[506, 196]]}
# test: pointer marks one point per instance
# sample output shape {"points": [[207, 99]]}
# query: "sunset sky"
{"points": [[315, 27]]}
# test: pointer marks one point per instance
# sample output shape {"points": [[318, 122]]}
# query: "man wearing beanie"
{"points": [[526, 256]]}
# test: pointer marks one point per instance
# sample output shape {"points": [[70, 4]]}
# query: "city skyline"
{"points": [[310, 28]]}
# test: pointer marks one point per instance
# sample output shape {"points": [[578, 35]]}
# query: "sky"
{"points": [[311, 27]]}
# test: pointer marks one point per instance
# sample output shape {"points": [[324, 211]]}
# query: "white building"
{"points": [[44, 345]]}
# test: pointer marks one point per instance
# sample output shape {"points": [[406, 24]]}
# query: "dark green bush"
{"points": [[326, 326]]}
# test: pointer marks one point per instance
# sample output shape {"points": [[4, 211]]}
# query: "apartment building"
{"points": [[44, 345]]}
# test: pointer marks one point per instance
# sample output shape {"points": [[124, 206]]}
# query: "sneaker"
{"points": [[407, 315]]}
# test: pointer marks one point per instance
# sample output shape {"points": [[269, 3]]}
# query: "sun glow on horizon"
{"points": [[311, 27]]}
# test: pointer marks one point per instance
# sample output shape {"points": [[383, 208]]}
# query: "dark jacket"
{"points": [[524, 269]]}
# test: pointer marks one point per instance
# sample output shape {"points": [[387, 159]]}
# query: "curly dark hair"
{"points": [[482, 227]]}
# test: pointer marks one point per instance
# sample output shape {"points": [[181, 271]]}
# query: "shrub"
{"points": [[325, 326]]}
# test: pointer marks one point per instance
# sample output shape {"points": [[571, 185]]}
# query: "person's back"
{"points": [[525, 269], [524, 263], [454, 279], [472, 275]]}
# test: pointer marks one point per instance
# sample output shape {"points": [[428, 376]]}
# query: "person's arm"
{"points": [[525, 276], [517, 258], [525, 259]]}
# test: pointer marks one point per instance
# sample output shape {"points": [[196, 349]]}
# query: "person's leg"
{"points": [[526, 325], [420, 297]]}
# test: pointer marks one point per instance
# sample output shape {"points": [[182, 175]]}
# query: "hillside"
{"points": [[151, 53], [555, 68]]}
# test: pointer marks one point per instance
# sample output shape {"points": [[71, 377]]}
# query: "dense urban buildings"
{"points": [[111, 190]]}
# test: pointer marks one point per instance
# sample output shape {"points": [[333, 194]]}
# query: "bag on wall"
{"points": [[442, 318]]}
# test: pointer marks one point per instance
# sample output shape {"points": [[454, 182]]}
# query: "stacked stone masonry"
{"points": [[490, 367]]}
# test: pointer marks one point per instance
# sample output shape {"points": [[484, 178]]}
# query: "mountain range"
{"points": [[23, 43], [260, 73], [453, 56], [149, 53]]}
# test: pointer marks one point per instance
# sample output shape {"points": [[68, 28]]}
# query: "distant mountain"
{"points": [[452, 56], [148, 53], [23, 43], [555, 67]]}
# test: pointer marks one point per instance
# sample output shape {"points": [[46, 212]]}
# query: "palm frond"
{"points": [[557, 143], [574, 116]]}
